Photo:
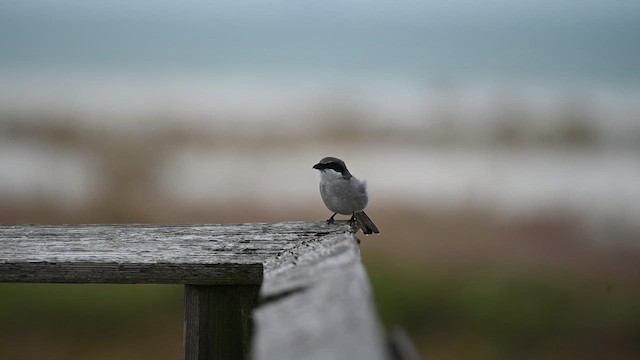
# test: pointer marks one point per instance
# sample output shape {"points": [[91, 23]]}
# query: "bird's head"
{"points": [[332, 164]]}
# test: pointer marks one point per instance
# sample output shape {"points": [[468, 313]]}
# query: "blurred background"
{"points": [[500, 141]]}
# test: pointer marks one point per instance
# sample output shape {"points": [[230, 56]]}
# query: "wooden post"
{"points": [[218, 322]]}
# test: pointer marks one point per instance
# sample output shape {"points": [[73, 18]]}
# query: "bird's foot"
{"points": [[331, 220], [352, 220]]}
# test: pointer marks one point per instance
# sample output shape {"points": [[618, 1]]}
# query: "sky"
{"points": [[561, 41]]}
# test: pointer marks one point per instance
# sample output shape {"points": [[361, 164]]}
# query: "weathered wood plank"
{"points": [[317, 304], [218, 322], [316, 301], [171, 254], [128, 273]]}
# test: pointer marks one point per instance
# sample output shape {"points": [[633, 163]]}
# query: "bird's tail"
{"points": [[367, 226]]}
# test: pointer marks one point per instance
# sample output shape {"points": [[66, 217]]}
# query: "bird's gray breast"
{"points": [[343, 196]]}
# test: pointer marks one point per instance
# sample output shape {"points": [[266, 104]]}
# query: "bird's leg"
{"points": [[330, 220], [353, 219]]}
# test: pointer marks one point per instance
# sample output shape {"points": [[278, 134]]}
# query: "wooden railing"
{"points": [[294, 290]]}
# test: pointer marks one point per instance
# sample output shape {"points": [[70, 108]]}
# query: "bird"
{"points": [[343, 193]]}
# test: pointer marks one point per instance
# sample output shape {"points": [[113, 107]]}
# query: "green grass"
{"points": [[511, 313], [107, 306]]}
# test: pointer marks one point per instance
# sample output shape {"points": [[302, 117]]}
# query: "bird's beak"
{"points": [[317, 166]]}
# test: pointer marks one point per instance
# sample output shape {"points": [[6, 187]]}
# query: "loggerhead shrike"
{"points": [[343, 194]]}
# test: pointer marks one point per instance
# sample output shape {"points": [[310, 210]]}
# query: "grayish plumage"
{"points": [[343, 193]]}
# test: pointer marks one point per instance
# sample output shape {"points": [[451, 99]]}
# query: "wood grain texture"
{"points": [[169, 254], [317, 304], [218, 322]]}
